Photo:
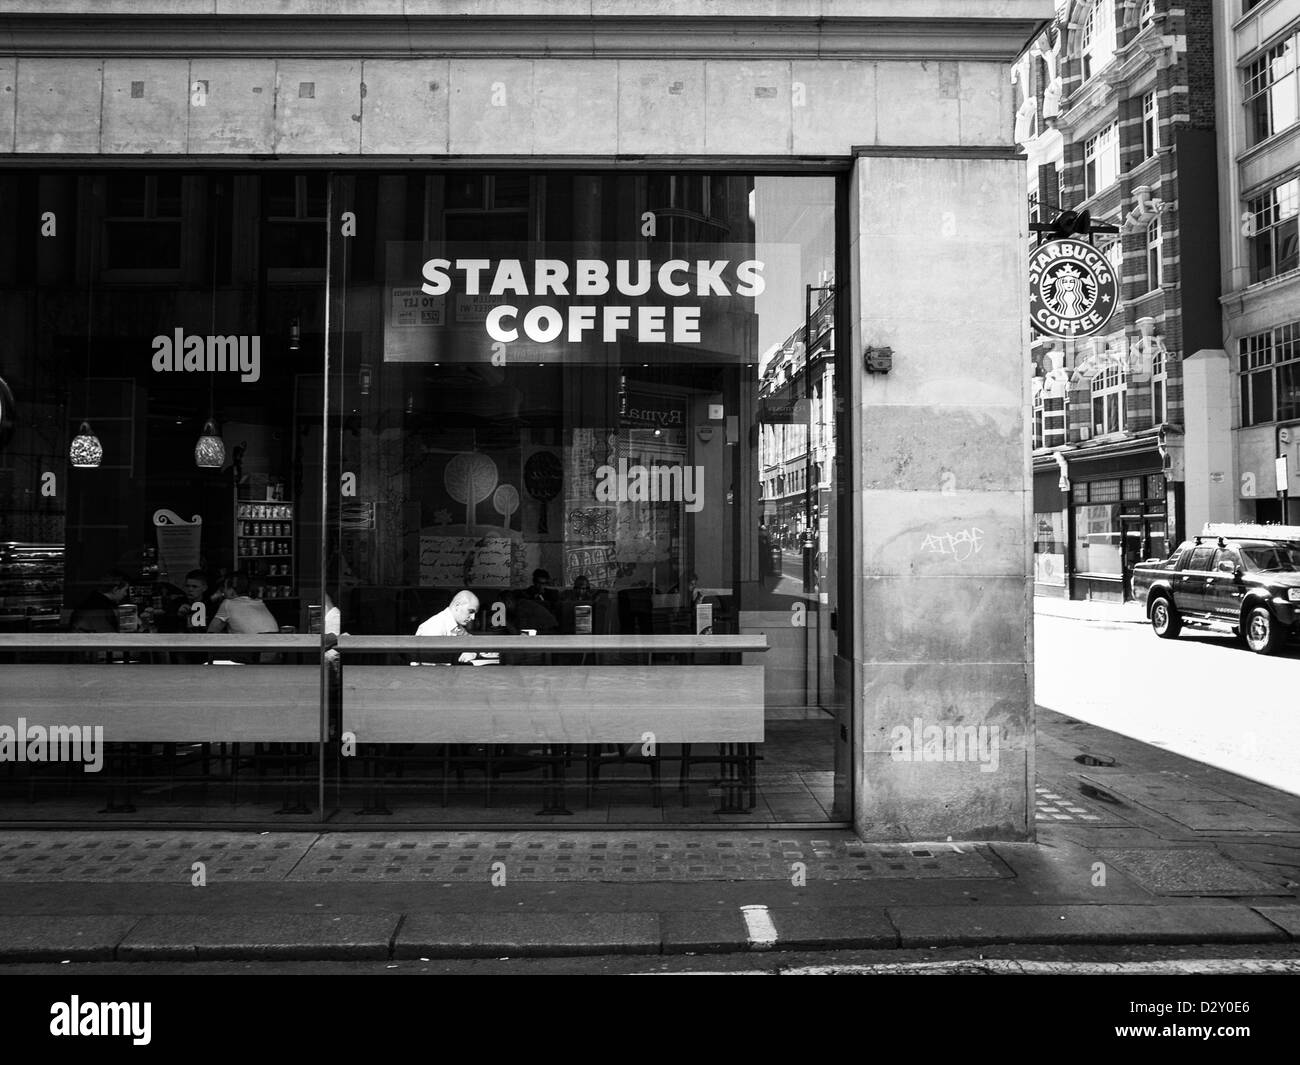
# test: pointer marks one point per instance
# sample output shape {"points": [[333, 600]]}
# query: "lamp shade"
{"points": [[210, 451], [86, 450]]}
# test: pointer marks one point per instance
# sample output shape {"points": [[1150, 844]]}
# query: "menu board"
{"points": [[178, 543]]}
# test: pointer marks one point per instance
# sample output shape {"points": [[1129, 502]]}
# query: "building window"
{"points": [[295, 221], [1150, 125], [1108, 390], [1270, 375], [1101, 160], [1148, 15], [1271, 90], [1159, 388], [1153, 256], [1115, 256], [142, 222], [1273, 242], [490, 207], [1097, 40]]}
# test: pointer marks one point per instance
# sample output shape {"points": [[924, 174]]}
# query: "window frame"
{"points": [[1159, 388], [1107, 384], [1101, 160], [1154, 244], [1265, 359], [1097, 39], [1273, 212], [1262, 86], [1150, 124]]}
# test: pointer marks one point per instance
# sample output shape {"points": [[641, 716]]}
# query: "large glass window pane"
{"points": [[151, 524], [587, 430]]}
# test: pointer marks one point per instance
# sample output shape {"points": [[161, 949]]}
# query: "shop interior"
{"points": [[279, 415]]}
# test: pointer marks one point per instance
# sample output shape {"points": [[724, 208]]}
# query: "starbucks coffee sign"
{"points": [[1072, 289]]}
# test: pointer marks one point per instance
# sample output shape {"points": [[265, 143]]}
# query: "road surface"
{"points": [[1202, 695]]}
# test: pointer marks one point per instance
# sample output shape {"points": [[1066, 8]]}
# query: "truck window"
{"points": [[1201, 558], [1226, 561]]}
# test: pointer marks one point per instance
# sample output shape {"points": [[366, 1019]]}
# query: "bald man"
{"points": [[453, 621]]}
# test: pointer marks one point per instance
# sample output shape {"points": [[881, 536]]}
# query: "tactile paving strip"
{"points": [[1050, 805], [139, 857], [684, 856]]}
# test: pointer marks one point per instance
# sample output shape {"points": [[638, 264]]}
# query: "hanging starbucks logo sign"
{"points": [[1072, 289]]}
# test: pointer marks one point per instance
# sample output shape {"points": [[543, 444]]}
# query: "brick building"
{"points": [[1115, 108]]}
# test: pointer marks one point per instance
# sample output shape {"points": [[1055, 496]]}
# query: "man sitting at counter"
{"points": [[240, 613], [454, 621]]}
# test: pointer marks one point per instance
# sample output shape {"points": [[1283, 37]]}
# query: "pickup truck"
{"points": [[1242, 578]]}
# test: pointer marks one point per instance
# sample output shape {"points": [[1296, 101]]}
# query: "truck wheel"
{"points": [[1165, 619], [1264, 636]]}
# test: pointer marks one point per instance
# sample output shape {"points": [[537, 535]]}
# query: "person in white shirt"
{"points": [[453, 621], [241, 614]]}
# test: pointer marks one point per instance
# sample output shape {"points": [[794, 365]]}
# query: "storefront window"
{"points": [[586, 422], [1049, 548]]}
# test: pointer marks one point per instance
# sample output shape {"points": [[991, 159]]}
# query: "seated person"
{"points": [[533, 614], [454, 620], [98, 611], [196, 594], [240, 613], [541, 591]]}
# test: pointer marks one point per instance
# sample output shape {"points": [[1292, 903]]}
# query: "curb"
{"points": [[444, 936]]}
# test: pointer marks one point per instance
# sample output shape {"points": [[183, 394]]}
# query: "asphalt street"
{"points": [[1202, 695]]}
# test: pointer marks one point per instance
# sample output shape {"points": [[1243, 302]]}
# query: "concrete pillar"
{"points": [[1207, 442], [943, 566]]}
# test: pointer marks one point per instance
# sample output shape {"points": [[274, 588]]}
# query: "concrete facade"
{"points": [[918, 110], [1253, 306]]}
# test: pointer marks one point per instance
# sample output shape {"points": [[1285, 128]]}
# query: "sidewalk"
{"points": [[1089, 610], [1135, 846]]}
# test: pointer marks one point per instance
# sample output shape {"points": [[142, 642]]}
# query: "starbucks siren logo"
{"points": [[1072, 289]]}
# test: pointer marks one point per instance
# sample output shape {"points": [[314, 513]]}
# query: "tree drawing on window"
{"points": [[543, 478], [470, 479], [505, 501]]}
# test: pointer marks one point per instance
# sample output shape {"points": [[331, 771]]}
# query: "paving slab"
{"points": [[841, 929], [335, 937], [703, 931], [1285, 917], [59, 937], [496, 935], [1197, 871], [921, 926]]}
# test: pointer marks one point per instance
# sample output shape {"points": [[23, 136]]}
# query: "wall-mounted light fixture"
{"points": [[295, 335], [878, 360]]}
